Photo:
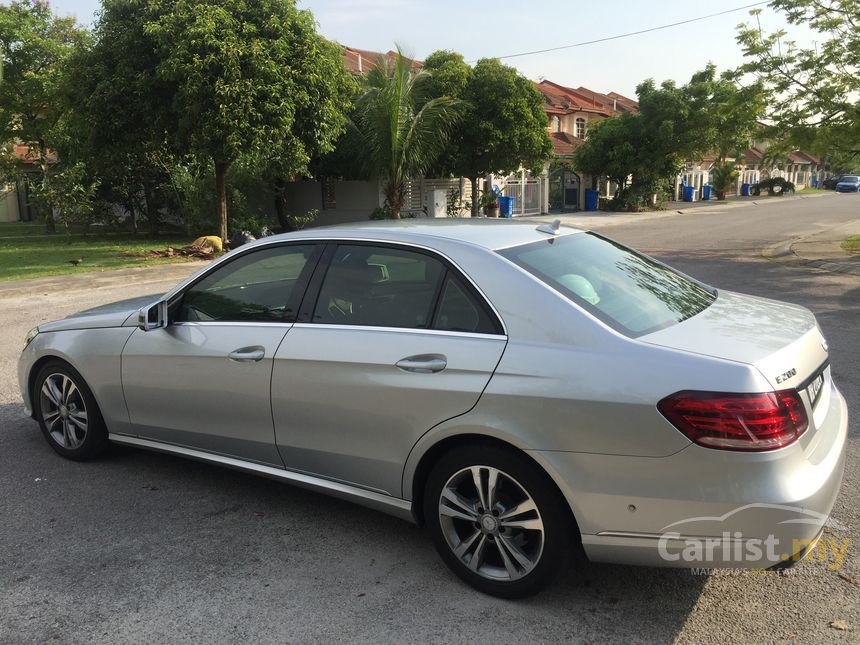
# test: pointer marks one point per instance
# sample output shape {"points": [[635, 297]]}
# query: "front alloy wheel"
{"points": [[67, 412], [64, 411], [498, 520]]}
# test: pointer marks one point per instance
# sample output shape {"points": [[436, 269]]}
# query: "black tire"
{"points": [[560, 537], [94, 438]]}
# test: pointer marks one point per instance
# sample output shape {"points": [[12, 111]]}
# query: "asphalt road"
{"points": [[141, 547]]}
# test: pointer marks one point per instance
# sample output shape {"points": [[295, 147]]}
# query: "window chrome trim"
{"points": [[228, 323], [402, 330], [179, 289]]}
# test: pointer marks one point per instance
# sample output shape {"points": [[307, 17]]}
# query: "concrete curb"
{"points": [[784, 252]]}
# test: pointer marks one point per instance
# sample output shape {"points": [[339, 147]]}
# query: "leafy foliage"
{"points": [[248, 78], [813, 90], [399, 129], [674, 124], [724, 176], [34, 45]]}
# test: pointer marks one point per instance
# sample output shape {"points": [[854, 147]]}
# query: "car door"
{"points": [[390, 342], [203, 381]]}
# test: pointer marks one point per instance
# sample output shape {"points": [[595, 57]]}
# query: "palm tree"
{"points": [[399, 129], [725, 175]]}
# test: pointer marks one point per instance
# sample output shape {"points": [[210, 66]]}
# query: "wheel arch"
{"points": [[416, 480]]}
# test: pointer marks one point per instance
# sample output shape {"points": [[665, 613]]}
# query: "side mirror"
{"points": [[153, 317]]}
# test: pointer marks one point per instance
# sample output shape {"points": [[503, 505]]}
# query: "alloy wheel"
{"points": [[64, 411], [491, 523]]}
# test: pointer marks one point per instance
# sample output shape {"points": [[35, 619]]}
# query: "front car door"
{"points": [[390, 342], [203, 381]]}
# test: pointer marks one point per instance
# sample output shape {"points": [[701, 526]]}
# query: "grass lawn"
{"points": [[26, 251], [852, 244], [809, 190]]}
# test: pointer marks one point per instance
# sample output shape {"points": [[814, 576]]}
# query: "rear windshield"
{"points": [[628, 291]]}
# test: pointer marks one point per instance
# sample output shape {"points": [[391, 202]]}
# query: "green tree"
{"points": [[725, 176], [117, 111], [813, 90], [35, 43], [247, 76], [504, 125], [397, 130], [610, 150]]}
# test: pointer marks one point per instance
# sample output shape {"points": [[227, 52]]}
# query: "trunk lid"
{"points": [[782, 340]]}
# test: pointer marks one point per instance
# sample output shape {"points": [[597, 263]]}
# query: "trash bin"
{"points": [[591, 200], [745, 190], [689, 193], [815, 182], [706, 192], [506, 206]]}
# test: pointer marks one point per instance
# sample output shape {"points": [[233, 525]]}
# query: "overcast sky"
{"points": [[507, 27]]}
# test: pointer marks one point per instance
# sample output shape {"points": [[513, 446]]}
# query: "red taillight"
{"points": [[765, 421]]}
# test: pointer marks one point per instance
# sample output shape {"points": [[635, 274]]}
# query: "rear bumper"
{"points": [[703, 507]]}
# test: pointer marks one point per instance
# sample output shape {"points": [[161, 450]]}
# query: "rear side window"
{"points": [[459, 310], [628, 291], [379, 287]]}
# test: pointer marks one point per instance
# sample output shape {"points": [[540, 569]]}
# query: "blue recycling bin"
{"points": [[815, 182], [745, 190], [706, 192], [689, 193], [591, 199], [506, 206]]}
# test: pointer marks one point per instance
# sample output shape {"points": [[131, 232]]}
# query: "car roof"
{"points": [[491, 234]]}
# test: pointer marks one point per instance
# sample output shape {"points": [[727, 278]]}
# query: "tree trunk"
{"points": [[394, 196], [475, 205], [281, 205], [221, 168], [151, 208]]}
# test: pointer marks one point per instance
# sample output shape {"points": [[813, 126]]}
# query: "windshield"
{"points": [[852, 179], [628, 291]]}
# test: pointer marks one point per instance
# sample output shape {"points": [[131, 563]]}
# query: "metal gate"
{"points": [[527, 194]]}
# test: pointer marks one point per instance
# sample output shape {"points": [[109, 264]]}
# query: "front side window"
{"points": [[628, 291], [258, 286]]}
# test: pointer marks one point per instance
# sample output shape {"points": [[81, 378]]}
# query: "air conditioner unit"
{"points": [[436, 202]]}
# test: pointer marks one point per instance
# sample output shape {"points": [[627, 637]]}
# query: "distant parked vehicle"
{"points": [[830, 182], [848, 184]]}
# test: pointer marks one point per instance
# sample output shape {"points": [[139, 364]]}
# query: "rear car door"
{"points": [[203, 381], [390, 341]]}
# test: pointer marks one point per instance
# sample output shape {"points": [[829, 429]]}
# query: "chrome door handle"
{"points": [[423, 363], [247, 354]]}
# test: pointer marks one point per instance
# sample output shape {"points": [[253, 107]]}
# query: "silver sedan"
{"points": [[528, 393]]}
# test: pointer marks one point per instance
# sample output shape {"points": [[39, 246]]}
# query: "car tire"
{"points": [[67, 412], [515, 546]]}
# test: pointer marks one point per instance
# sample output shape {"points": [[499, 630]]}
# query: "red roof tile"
{"points": [[358, 61], [564, 144]]}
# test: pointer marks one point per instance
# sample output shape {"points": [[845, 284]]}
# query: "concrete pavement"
{"points": [[822, 249]]}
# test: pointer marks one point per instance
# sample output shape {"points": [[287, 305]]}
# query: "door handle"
{"points": [[423, 363], [247, 354]]}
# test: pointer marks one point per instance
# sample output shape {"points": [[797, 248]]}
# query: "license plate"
{"points": [[814, 388]]}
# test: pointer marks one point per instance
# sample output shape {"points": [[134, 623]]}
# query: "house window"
{"points": [[580, 128], [555, 124]]}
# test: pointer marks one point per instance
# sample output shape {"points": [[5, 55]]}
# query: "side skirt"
{"points": [[399, 508]]}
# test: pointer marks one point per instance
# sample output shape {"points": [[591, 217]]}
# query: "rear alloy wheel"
{"points": [[67, 412], [497, 520]]}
